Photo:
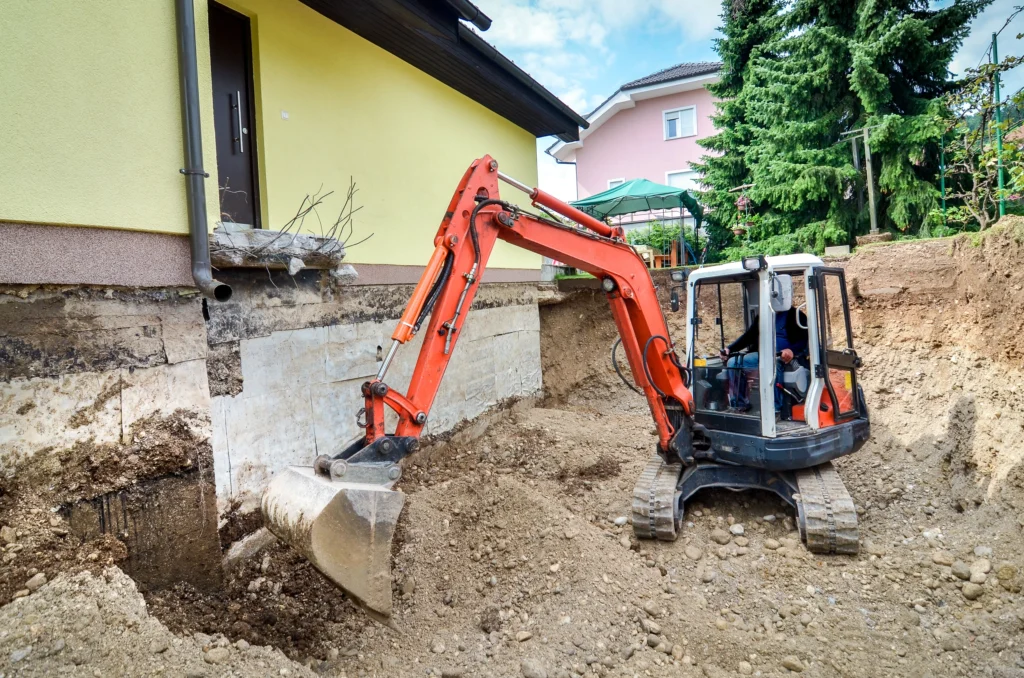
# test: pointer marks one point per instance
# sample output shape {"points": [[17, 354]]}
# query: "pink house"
{"points": [[647, 129]]}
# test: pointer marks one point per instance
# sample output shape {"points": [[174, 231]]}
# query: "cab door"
{"points": [[837, 362]]}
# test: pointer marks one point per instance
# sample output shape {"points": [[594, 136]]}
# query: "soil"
{"points": [[512, 558]]}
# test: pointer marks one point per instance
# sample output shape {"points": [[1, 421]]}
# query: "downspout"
{"points": [[195, 190]]}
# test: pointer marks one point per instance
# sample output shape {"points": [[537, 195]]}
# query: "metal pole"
{"points": [[871, 182], [942, 176], [856, 166], [999, 125]]}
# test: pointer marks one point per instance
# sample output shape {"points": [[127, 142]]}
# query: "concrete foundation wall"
{"points": [[270, 379], [302, 390]]}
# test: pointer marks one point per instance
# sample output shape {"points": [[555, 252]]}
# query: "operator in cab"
{"points": [[791, 343]]}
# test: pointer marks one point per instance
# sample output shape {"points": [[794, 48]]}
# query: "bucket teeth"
{"points": [[655, 501], [343, 528], [826, 515]]}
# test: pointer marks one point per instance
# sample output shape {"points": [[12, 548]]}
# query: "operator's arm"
{"points": [[747, 340]]}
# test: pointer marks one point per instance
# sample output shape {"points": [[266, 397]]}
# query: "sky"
{"points": [[583, 50]]}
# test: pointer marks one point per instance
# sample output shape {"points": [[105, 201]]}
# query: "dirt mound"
{"points": [[98, 625], [965, 292]]}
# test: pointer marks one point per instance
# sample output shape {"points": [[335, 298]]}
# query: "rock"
{"points": [[242, 645], [20, 654], [1006, 572], [708, 576], [982, 566], [555, 568], [793, 664], [677, 652], [961, 570], [972, 591], [943, 558], [693, 553], [736, 529], [979, 578], [37, 580], [948, 642], [453, 672], [159, 645], [742, 542], [532, 668], [8, 534], [624, 541], [408, 586], [523, 636], [217, 655], [20, 593], [874, 549], [771, 544], [621, 521], [653, 640], [982, 551], [437, 647], [770, 518], [651, 626], [720, 536], [745, 669]]}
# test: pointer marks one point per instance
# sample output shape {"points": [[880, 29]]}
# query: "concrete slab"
{"points": [[284, 360]]}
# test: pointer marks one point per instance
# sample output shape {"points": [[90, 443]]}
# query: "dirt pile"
{"points": [[93, 625]]}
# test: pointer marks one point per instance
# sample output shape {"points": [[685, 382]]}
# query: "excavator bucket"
{"points": [[343, 528]]}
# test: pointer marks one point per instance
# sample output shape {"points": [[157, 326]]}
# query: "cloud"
{"points": [[566, 44]]}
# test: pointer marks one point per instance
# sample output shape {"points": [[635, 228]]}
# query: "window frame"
{"points": [[621, 181], [664, 121]]}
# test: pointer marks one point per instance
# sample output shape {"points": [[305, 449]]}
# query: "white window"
{"points": [[687, 179], [612, 183], [680, 122]]}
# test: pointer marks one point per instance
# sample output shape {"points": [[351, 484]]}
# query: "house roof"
{"points": [[432, 37], [678, 78], [684, 70]]}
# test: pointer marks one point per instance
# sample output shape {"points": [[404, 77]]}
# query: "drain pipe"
{"points": [[195, 190]]}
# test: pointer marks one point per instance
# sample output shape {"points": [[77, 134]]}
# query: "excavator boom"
{"points": [[341, 514]]}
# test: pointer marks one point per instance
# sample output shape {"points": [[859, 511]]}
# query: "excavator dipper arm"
{"points": [[341, 513], [475, 220]]}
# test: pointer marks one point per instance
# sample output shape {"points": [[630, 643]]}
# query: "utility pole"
{"points": [[856, 166], [999, 125], [863, 131]]}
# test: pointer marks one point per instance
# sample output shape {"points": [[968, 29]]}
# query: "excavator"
{"points": [[723, 419]]}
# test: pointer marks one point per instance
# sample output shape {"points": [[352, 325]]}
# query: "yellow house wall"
{"points": [[92, 130], [355, 110], [90, 119]]}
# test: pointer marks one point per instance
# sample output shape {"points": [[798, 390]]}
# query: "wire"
{"points": [[615, 364]]}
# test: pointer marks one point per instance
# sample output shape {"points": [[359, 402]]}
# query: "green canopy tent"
{"points": [[639, 195]]}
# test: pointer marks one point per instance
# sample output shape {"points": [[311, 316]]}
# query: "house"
{"points": [[131, 130], [647, 129]]}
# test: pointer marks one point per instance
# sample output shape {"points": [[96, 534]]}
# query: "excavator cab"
{"points": [[769, 348]]}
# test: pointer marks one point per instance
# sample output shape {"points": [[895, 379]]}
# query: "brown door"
{"points": [[231, 64]]}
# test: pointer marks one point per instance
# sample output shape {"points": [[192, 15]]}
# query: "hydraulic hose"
{"points": [[615, 364], [435, 290]]}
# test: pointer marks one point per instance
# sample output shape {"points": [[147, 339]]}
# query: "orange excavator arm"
{"points": [[341, 513], [475, 219]]}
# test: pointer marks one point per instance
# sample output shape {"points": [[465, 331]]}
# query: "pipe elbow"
{"points": [[210, 287]]}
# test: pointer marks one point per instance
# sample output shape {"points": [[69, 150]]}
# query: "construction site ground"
{"points": [[514, 556]]}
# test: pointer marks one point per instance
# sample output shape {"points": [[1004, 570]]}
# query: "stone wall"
{"points": [[269, 379]]}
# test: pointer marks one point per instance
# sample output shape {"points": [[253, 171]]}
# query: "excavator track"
{"points": [[826, 516], [655, 501]]}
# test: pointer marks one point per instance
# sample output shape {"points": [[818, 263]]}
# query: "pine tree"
{"points": [[832, 66], [747, 24]]}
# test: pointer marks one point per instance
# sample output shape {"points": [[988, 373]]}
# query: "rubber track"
{"points": [[654, 501], [826, 511]]}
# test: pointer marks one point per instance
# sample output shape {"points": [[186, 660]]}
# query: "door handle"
{"points": [[238, 107]]}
